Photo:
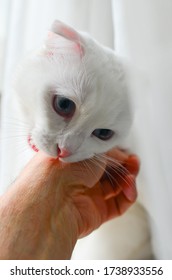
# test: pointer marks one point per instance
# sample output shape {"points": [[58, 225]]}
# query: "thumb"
{"points": [[86, 173]]}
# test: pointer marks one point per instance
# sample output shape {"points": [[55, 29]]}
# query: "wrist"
{"points": [[37, 222]]}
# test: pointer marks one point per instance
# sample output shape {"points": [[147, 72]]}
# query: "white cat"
{"points": [[73, 97]]}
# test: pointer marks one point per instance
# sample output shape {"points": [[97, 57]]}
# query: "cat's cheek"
{"points": [[43, 143]]}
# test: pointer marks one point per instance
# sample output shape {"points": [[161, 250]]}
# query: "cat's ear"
{"points": [[63, 37]]}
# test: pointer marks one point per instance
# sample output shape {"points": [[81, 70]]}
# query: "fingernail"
{"points": [[129, 188]]}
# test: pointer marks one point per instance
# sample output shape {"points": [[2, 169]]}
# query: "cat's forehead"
{"points": [[94, 83], [84, 78], [76, 83]]}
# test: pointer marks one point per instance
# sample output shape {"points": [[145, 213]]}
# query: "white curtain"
{"points": [[143, 30], [143, 33]]}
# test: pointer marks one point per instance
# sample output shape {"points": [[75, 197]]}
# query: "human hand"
{"points": [[50, 205], [112, 194]]}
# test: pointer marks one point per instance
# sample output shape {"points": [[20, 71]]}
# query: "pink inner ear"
{"points": [[70, 34]]}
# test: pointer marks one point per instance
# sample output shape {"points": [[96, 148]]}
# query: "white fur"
{"points": [[96, 82], [95, 79]]}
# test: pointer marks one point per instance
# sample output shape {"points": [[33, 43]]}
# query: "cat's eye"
{"points": [[63, 106], [103, 134]]}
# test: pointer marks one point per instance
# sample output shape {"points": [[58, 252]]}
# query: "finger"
{"points": [[132, 164], [122, 203], [118, 155], [110, 190], [117, 206], [97, 198], [87, 173], [122, 178], [112, 209], [119, 179], [130, 161], [129, 188]]}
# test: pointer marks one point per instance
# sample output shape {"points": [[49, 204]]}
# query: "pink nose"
{"points": [[62, 153]]}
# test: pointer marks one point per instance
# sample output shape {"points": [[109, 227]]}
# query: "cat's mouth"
{"points": [[62, 154], [31, 144]]}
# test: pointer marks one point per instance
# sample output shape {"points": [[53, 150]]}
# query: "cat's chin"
{"points": [[71, 159]]}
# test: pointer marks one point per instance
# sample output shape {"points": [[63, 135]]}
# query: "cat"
{"points": [[74, 97], [73, 93]]}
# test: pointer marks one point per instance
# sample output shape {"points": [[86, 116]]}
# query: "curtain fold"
{"points": [[143, 31], [139, 30]]}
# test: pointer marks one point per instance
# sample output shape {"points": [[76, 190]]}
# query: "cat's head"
{"points": [[74, 95]]}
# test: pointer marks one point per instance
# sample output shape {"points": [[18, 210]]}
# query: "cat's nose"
{"points": [[62, 153]]}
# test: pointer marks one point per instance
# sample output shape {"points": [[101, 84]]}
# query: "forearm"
{"points": [[30, 233], [29, 229]]}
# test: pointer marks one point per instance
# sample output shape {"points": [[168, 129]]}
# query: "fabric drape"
{"points": [[140, 30]]}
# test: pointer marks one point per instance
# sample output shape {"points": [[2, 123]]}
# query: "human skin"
{"points": [[51, 205]]}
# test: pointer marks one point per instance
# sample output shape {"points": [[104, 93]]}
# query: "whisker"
{"points": [[116, 164], [84, 167], [13, 136], [108, 158], [14, 120], [89, 168], [109, 175], [118, 171]]}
